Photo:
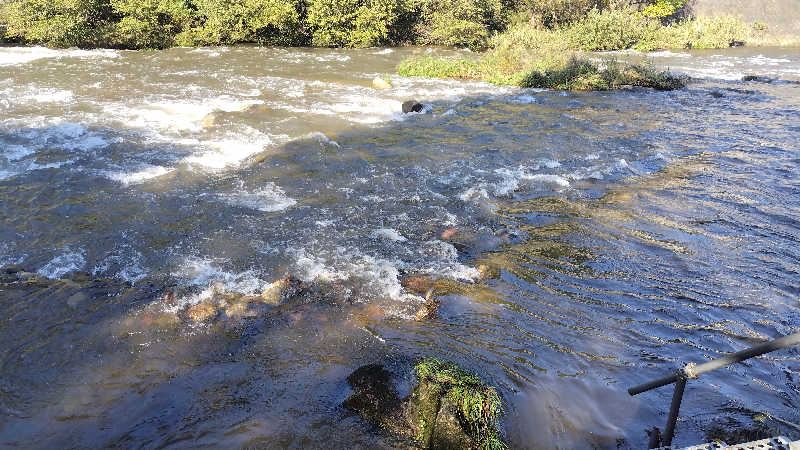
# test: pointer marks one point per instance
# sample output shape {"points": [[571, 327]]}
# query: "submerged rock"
{"points": [[211, 119], [449, 408], [380, 83], [429, 309], [11, 269], [447, 432], [418, 284], [280, 290], [201, 312], [412, 106], [448, 234], [376, 399], [757, 78]]}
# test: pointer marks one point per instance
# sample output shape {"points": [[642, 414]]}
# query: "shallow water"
{"points": [[626, 233]]}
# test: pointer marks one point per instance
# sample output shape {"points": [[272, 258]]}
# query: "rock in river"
{"points": [[449, 408], [201, 312], [412, 106], [380, 83]]}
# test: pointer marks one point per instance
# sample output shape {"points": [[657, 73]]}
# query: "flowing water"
{"points": [[623, 234]]}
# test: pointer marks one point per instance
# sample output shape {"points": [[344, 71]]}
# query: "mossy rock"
{"points": [[466, 398], [449, 408], [421, 411]]}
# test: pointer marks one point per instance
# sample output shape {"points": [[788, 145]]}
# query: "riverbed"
{"points": [[595, 241]]}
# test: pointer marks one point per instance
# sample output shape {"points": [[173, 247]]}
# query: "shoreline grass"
{"points": [[567, 72]]}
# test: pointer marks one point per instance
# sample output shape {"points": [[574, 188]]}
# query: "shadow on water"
{"points": [[592, 288]]}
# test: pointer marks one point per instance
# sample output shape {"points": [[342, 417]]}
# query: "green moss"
{"points": [[479, 405]]}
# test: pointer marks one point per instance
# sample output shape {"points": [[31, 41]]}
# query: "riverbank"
{"points": [[559, 57], [525, 46]]}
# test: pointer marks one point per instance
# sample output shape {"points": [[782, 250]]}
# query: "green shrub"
{"points": [[353, 23], [558, 13], [709, 32], [620, 29], [611, 30], [150, 23], [267, 22], [60, 23], [459, 23], [663, 8]]}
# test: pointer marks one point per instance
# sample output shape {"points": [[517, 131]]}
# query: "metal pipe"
{"points": [[693, 372], [652, 385], [674, 408]]}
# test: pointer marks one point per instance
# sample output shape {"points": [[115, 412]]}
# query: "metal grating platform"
{"points": [[776, 443]]}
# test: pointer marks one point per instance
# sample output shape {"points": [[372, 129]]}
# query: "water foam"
{"points": [[61, 264], [389, 234], [228, 152], [269, 198], [139, 176], [10, 56], [206, 273]]}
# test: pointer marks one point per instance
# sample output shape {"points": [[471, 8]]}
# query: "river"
{"points": [[625, 233]]}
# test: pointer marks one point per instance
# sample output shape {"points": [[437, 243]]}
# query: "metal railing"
{"points": [[693, 370]]}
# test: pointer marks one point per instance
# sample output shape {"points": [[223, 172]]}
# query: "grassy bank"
{"points": [[531, 55], [564, 73]]}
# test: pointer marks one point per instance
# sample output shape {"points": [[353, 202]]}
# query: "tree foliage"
{"points": [[62, 23], [476, 24], [353, 23], [272, 22], [150, 23]]}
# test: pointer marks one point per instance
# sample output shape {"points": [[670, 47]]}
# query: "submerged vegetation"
{"points": [[476, 24]]}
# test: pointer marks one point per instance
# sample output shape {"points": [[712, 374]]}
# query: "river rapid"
{"points": [[623, 234]]}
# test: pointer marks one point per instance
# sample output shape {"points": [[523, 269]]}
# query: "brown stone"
{"points": [[201, 312], [417, 283], [240, 309], [380, 83], [429, 309], [281, 290], [447, 433], [448, 234], [421, 409], [210, 120]]}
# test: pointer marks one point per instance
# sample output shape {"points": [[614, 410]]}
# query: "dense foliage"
{"points": [[476, 24]]}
